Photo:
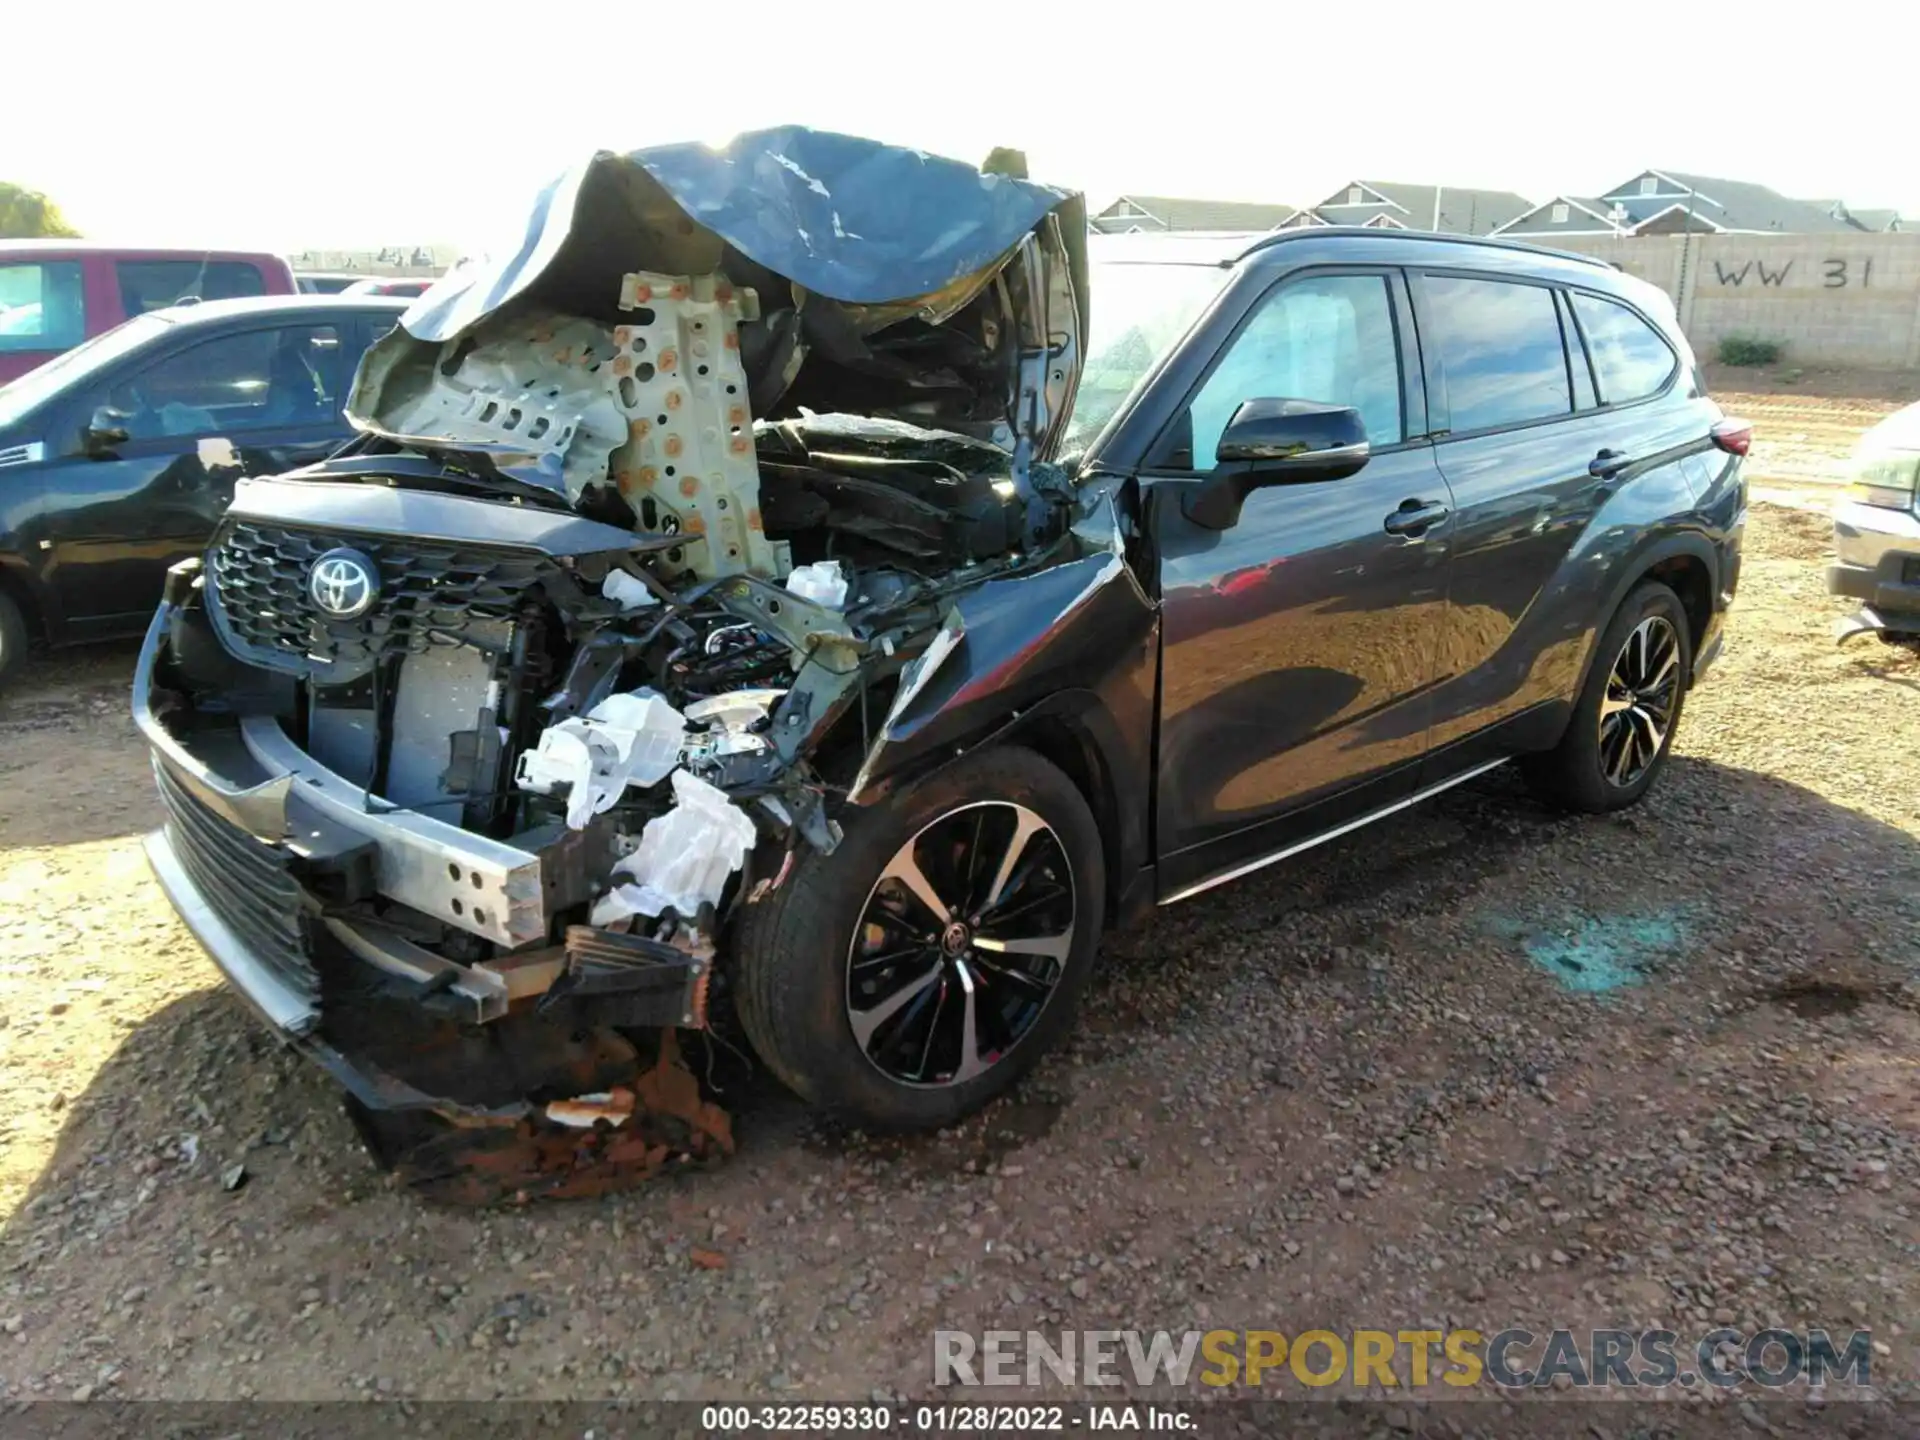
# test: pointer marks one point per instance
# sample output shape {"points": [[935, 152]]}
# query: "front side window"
{"points": [[1328, 338], [155, 284], [1500, 343], [263, 379], [1630, 360], [42, 306]]}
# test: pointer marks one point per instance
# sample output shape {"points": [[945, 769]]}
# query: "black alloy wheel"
{"points": [[961, 944]]}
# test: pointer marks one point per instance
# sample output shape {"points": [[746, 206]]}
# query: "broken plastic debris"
{"points": [[822, 582], [632, 739], [626, 591], [583, 1112], [684, 857]]}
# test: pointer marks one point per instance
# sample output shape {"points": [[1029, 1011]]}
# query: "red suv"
{"points": [[56, 293]]}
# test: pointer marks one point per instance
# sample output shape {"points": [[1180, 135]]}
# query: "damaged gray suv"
{"points": [[796, 573]]}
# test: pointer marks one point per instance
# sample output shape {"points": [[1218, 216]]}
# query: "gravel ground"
{"points": [[1371, 1087]]}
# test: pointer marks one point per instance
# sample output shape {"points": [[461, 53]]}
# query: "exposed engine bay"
{"points": [[653, 531]]}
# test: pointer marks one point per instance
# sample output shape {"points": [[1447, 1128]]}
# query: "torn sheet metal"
{"points": [[889, 283], [848, 218], [656, 405], [685, 856]]}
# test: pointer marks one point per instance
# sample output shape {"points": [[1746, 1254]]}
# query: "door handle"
{"points": [[1608, 463], [1414, 517]]}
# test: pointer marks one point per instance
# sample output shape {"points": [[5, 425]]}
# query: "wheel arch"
{"points": [[1075, 732], [1682, 561]]}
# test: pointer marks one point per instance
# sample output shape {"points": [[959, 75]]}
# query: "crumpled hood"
{"points": [[889, 282]]}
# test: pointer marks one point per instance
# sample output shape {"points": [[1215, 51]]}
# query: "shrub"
{"points": [[1749, 350]]}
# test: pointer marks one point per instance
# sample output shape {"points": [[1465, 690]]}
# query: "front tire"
{"points": [[908, 978], [1617, 742]]}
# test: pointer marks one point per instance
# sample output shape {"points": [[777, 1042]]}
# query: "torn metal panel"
{"points": [[657, 403], [890, 283], [1013, 646]]}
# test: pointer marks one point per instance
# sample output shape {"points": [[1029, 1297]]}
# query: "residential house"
{"points": [[1386, 205], [1159, 213], [1668, 202], [1873, 221]]}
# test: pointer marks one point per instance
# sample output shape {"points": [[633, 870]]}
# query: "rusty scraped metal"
{"points": [[607, 1143]]}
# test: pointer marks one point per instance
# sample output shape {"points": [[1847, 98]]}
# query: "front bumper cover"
{"points": [[1877, 562]]}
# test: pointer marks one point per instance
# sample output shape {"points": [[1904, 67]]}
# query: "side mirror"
{"points": [[105, 430], [1276, 442]]}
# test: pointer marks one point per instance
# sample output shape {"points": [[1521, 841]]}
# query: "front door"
{"points": [[115, 515], [1298, 645]]}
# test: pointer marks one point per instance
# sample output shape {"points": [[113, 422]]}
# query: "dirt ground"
{"points": [[1385, 1084], [1805, 421]]}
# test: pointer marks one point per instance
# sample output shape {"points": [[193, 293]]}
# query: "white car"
{"points": [[1876, 533]]}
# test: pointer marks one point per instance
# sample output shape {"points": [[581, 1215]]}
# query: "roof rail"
{"points": [[1280, 237]]}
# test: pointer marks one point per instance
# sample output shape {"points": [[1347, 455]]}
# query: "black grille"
{"points": [[266, 615], [245, 882]]}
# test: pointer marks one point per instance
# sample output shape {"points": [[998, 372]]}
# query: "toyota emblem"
{"points": [[343, 583]]}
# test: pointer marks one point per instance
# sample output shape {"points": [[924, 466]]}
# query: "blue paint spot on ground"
{"points": [[1595, 954]]}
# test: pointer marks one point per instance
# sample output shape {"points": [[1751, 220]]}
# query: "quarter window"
{"points": [[41, 307], [1630, 360], [1500, 343], [1323, 337]]}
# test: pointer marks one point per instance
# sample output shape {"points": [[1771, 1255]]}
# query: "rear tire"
{"points": [[13, 637], [868, 1003], [1617, 741]]}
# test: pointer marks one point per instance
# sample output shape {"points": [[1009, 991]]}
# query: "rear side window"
{"points": [[42, 307], [154, 284], [1630, 360], [1500, 343]]}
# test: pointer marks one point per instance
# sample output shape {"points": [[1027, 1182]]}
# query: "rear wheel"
{"points": [[13, 637], [1623, 724], [918, 971]]}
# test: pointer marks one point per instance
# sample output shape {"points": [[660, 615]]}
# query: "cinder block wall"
{"points": [[1829, 299]]}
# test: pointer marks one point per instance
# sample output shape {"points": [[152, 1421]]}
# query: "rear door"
{"points": [[116, 516], [1298, 645], [1533, 450], [1517, 457]]}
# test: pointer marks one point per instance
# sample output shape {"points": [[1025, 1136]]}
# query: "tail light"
{"points": [[1733, 436]]}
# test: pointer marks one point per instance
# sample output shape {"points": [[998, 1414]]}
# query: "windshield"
{"points": [[1139, 310], [72, 367]]}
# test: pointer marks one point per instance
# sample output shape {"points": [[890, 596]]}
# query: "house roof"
{"points": [[1460, 211], [1875, 220], [1585, 215], [1177, 213], [1726, 204]]}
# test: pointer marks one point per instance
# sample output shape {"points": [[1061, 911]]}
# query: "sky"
{"points": [[353, 124]]}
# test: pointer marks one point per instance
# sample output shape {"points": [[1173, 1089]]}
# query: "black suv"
{"points": [[859, 604]]}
